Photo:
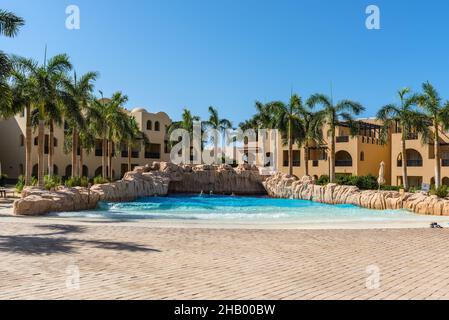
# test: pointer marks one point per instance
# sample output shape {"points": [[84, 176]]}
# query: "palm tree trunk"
{"points": [[51, 148], [103, 158], [81, 162], [28, 139], [40, 158], [332, 157], [129, 158], [437, 157], [306, 160], [74, 152], [404, 161], [110, 159], [290, 150]]}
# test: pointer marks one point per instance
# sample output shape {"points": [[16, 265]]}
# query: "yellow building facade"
{"points": [[12, 147]]}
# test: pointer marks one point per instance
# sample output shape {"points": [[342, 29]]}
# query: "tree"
{"points": [[133, 137], [408, 122], [22, 88], [47, 79], [9, 27], [77, 95], [287, 119], [186, 124], [220, 125], [438, 114], [312, 123], [333, 114]]}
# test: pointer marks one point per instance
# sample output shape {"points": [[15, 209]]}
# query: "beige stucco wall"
{"points": [[12, 154]]}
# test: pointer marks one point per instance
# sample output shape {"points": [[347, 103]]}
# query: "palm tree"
{"points": [[9, 27], [22, 100], [438, 114], [187, 123], [46, 79], [407, 120], [333, 114], [133, 137], [220, 125], [96, 114], [116, 120], [312, 123], [287, 119], [77, 95]]}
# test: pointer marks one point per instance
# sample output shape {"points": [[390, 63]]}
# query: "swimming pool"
{"points": [[205, 207]]}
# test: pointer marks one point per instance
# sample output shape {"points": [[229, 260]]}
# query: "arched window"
{"points": [[22, 140], [35, 172], [85, 171], [149, 125], [99, 171], [362, 156], [36, 141], [55, 170], [55, 142], [157, 126], [414, 158], [343, 159]]}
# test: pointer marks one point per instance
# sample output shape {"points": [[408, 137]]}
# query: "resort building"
{"points": [[354, 155], [420, 159], [12, 148]]}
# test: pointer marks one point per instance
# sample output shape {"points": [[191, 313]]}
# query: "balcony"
{"points": [[412, 163], [152, 155], [343, 163], [342, 139], [135, 154]]}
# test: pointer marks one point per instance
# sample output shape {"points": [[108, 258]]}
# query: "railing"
{"points": [[342, 139], [343, 163], [285, 163], [152, 155], [412, 136], [296, 163], [412, 163], [445, 162], [134, 154]]}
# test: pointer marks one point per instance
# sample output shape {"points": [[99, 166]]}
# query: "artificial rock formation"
{"points": [[156, 180], [282, 186]]}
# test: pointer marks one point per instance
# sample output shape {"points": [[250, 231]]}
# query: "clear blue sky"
{"points": [[167, 55]]}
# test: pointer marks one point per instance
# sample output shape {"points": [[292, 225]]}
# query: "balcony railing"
{"points": [[296, 163], [343, 163], [135, 154], [342, 139], [285, 163], [152, 155], [411, 163], [445, 162]]}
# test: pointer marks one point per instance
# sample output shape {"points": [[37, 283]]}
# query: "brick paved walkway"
{"points": [[39, 261]]}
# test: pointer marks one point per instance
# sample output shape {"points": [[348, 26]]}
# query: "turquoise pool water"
{"points": [[237, 208]]}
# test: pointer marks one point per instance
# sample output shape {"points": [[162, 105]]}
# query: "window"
{"points": [[157, 126], [285, 158], [36, 141], [296, 158], [153, 151], [22, 140], [55, 142], [362, 156], [149, 125], [166, 147]]}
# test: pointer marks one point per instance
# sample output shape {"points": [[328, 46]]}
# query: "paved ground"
{"points": [[43, 260]]}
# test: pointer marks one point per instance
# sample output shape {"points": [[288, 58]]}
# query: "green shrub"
{"points": [[20, 184], [34, 181], [323, 180], [73, 182], [368, 182], [440, 192], [391, 188], [100, 180], [51, 182]]}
